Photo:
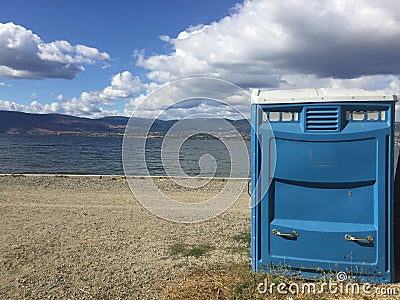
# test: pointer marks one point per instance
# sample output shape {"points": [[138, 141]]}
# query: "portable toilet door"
{"points": [[322, 183]]}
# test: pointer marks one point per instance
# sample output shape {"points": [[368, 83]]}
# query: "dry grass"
{"points": [[239, 282], [231, 282]]}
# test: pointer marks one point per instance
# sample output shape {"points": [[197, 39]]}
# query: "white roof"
{"points": [[317, 95]]}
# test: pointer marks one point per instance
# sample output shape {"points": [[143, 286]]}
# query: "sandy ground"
{"points": [[89, 238]]}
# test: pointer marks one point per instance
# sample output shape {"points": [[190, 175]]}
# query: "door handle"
{"points": [[294, 234], [369, 239]]}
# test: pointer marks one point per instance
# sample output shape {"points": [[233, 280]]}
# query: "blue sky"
{"points": [[98, 58]]}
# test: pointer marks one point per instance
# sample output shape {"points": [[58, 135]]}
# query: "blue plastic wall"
{"points": [[323, 176]]}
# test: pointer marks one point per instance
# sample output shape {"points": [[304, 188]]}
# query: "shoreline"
{"points": [[119, 176]]}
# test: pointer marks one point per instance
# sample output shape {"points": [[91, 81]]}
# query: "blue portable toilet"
{"points": [[322, 173]]}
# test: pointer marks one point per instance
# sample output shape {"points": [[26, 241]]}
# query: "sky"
{"points": [[103, 58]]}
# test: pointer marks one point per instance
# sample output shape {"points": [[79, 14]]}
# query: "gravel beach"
{"points": [[87, 237]]}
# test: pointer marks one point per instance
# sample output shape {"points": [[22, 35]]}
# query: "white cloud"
{"points": [[64, 52], [11, 105], [190, 96], [123, 85], [74, 107], [384, 83], [88, 104], [24, 54], [263, 42], [33, 107]]}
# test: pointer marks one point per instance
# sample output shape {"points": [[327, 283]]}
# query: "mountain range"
{"points": [[12, 122]]}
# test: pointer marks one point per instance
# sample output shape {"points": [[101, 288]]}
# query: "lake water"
{"points": [[52, 154]]}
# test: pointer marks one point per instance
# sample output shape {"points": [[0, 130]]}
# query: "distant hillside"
{"points": [[24, 123], [18, 122]]}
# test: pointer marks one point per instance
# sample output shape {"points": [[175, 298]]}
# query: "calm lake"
{"points": [[56, 154]]}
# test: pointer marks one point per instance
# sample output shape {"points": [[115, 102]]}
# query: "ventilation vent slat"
{"points": [[322, 119]]}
